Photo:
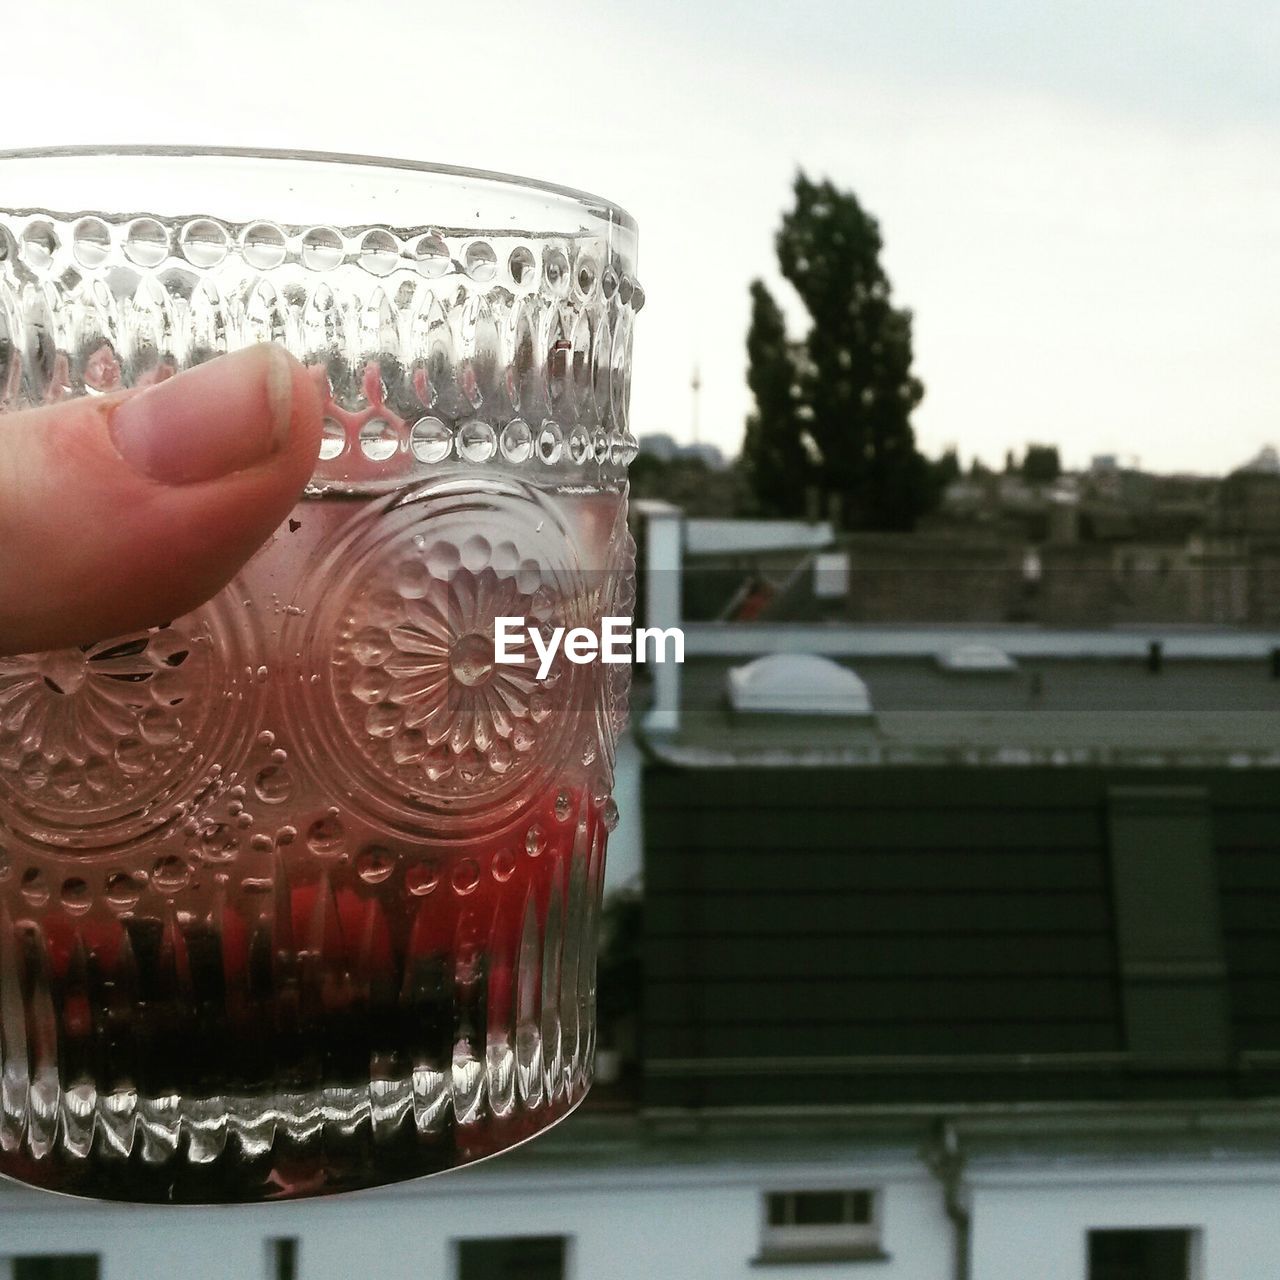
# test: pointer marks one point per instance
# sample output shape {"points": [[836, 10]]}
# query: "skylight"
{"points": [[976, 659], [798, 684]]}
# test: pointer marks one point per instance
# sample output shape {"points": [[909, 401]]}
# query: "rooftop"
{"points": [[1056, 711]]}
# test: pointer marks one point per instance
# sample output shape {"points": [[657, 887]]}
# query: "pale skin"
{"points": [[124, 511]]}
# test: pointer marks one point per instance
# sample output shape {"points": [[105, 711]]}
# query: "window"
{"points": [[57, 1266], [513, 1258], [1142, 1255], [282, 1258], [816, 1225]]}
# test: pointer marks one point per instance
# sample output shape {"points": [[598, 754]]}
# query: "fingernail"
{"points": [[217, 418]]}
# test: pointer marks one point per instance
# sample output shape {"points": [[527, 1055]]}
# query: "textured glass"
{"points": [[298, 893]]}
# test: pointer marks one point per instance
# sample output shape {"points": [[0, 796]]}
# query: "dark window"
{"points": [[1139, 1255], [513, 1258], [819, 1208], [57, 1266], [820, 1225], [284, 1258]]}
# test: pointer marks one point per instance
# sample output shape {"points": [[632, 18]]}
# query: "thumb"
{"points": [[122, 512]]}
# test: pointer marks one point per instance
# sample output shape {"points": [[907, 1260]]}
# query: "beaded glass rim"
{"points": [[501, 334]]}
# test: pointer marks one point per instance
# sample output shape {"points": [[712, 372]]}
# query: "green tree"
{"points": [[1041, 463], [855, 385], [774, 462]]}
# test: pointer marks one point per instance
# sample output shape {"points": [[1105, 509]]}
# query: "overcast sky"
{"points": [[1080, 201]]}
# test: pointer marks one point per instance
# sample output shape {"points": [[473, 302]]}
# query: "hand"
{"points": [[131, 509]]}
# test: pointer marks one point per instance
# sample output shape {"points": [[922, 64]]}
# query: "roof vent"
{"points": [[799, 684], [976, 659]]}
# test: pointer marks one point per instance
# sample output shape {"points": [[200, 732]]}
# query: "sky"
{"points": [[1080, 201]]}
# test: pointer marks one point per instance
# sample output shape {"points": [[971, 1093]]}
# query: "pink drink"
{"points": [[299, 892]]}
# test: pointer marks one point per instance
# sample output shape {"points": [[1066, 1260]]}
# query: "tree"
{"points": [[773, 456], [854, 389], [1041, 464]]}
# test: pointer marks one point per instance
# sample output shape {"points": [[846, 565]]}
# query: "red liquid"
{"points": [[300, 894]]}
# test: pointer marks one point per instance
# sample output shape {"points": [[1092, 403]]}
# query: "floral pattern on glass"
{"points": [[422, 692], [89, 727]]}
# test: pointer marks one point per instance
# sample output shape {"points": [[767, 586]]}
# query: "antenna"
{"points": [[695, 385]]}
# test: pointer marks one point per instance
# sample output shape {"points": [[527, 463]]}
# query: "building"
{"points": [[961, 958]]}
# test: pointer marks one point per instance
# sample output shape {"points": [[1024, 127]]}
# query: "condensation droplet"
{"points": [[76, 896], [535, 841], [273, 785], [218, 843], [170, 874], [466, 875], [6, 864], [266, 738], [422, 878], [286, 835], [326, 837], [609, 814], [261, 843], [564, 806], [34, 888], [123, 890], [375, 864], [503, 865]]}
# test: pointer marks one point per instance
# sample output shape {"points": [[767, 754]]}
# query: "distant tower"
{"points": [[695, 385]]}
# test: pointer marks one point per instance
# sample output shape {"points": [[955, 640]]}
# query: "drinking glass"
{"points": [[299, 892]]}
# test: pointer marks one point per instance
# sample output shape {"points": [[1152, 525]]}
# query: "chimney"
{"points": [[664, 544]]}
